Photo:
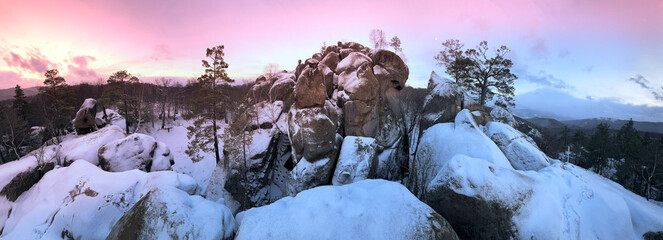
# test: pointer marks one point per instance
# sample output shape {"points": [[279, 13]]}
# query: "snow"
{"points": [[520, 149], [562, 201], [173, 214], [443, 141], [356, 159], [86, 146], [89, 103], [368, 209], [135, 151], [502, 115], [445, 88], [73, 199]]}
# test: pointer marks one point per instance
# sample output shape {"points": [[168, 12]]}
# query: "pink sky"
{"points": [[581, 44]]}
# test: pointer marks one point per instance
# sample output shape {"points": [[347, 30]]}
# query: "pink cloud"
{"points": [[34, 62]]}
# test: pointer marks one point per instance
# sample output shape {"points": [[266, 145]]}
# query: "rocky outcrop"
{"points": [[368, 209], [82, 201], [136, 151], [333, 94], [443, 102], [499, 114], [85, 117], [519, 148], [313, 132], [357, 160], [170, 213]]}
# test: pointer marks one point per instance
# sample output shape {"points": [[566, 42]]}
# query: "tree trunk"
{"points": [[126, 117]]}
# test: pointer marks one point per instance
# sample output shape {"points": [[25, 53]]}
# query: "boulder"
{"points": [[313, 131], [389, 69], [283, 88], [443, 102], [136, 151], [331, 60], [520, 149], [499, 114], [85, 117], [82, 201], [357, 160], [170, 213], [86, 147], [260, 90], [310, 90], [368, 209]]}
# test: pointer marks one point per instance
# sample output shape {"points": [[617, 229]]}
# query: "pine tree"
{"points": [[208, 103], [480, 74], [629, 147], [20, 104], [14, 130], [118, 92], [598, 147], [59, 103]]}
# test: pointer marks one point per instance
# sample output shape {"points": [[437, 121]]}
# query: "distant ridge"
{"points": [[8, 93]]}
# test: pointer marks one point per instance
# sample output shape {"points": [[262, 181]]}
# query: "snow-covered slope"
{"points": [[368, 209], [483, 197], [83, 201]]}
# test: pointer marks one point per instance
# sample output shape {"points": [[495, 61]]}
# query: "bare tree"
{"points": [[270, 70], [164, 83], [378, 39]]}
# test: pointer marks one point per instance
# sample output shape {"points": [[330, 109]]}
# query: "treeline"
{"points": [[629, 157], [26, 123]]}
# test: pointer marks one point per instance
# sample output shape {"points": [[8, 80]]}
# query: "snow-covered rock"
{"points": [[465, 177], [85, 117], [561, 201], [520, 149], [83, 201], [85, 147], [313, 131], [136, 151], [170, 213], [500, 114], [357, 160], [442, 141], [369, 209], [443, 102]]}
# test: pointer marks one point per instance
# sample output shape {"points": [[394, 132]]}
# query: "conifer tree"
{"points": [[481, 74], [119, 93], [208, 102], [59, 103], [20, 104]]}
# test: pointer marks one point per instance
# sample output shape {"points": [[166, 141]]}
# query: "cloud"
{"points": [[563, 53], [645, 84], [565, 106], [588, 68], [540, 49], [9, 79], [80, 67], [544, 79], [162, 52], [33, 62]]}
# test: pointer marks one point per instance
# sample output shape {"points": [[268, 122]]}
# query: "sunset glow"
{"points": [[585, 48]]}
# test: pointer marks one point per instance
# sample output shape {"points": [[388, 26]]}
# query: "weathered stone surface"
{"points": [[390, 69], [444, 101], [170, 213], [357, 160], [84, 121], [283, 87], [313, 131], [310, 90]]}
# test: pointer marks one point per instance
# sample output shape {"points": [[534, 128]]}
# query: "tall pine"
{"points": [[119, 93], [20, 104], [208, 105], [59, 103]]}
